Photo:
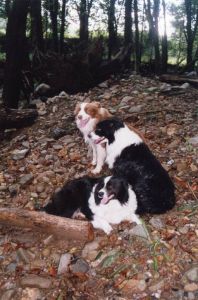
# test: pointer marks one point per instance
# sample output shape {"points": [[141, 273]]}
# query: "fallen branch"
{"points": [[68, 230], [178, 79], [14, 118]]}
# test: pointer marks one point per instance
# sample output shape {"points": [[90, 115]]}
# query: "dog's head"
{"points": [[84, 112], [110, 188], [105, 131]]}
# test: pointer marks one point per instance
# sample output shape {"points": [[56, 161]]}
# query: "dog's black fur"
{"points": [[150, 181], [73, 196]]}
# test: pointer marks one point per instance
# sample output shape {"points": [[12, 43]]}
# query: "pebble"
{"points": [[90, 250], [191, 287], [139, 230], [80, 266], [134, 285], [136, 109], [156, 223], [58, 133], [31, 294], [19, 154], [64, 262], [57, 147], [36, 281], [126, 99], [40, 188], [193, 141], [157, 286], [192, 274], [25, 179]]}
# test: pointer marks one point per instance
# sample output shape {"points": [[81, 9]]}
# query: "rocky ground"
{"points": [[155, 261]]}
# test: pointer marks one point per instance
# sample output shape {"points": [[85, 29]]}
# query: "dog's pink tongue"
{"points": [[83, 122], [106, 199]]}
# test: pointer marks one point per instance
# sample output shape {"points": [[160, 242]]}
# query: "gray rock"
{"points": [[40, 188], [107, 96], [165, 87], [57, 147], [31, 294], [194, 140], [58, 133], [11, 267], [64, 262], [36, 281], [8, 295], [63, 94], [157, 286], [152, 89], [156, 223], [25, 179], [136, 109], [80, 266], [19, 154], [141, 231], [192, 274], [185, 85], [126, 100], [13, 189], [26, 144], [42, 89], [103, 84], [90, 250]]}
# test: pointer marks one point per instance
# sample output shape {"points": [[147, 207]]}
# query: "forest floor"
{"points": [[160, 261]]}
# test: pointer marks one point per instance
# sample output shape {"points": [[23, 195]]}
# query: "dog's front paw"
{"points": [[107, 229], [96, 170]]}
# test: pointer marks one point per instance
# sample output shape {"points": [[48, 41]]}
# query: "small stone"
{"points": [[22, 255], [126, 100], [57, 147], [58, 133], [107, 96], [46, 252], [40, 188], [136, 109], [185, 85], [134, 285], [191, 287], [156, 223], [8, 295], [25, 179], [19, 154], [11, 267], [90, 250], [139, 230], [13, 189], [26, 144], [42, 89], [192, 274], [157, 286], [193, 141], [80, 266], [103, 84], [42, 112], [31, 294], [63, 94], [152, 89], [36, 281], [63, 266]]}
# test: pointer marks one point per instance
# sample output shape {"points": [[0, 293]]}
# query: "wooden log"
{"points": [[175, 79], [14, 118], [68, 230]]}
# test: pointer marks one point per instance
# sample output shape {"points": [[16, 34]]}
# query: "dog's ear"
{"points": [[77, 108], [97, 104]]}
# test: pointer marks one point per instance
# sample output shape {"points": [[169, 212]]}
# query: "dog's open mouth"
{"points": [[84, 122], [106, 199], [99, 140]]}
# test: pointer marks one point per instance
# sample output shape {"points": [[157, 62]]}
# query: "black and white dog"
{"points": [[130, 158], [103, 201]]}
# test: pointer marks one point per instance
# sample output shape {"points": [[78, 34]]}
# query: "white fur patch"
{"points": [[113, 212], [124, 137]]}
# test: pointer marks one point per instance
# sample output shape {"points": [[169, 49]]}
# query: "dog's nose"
{"points": [[89, 135], [100, 194], [79, 117]]}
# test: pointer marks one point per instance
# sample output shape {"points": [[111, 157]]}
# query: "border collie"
{"points": [[130, 157], [87, 115], [103, 201]]}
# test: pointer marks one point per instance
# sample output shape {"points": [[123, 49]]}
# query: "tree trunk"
{"points": [[7, 7], [156, 36], [62, 29], [164, 41], [111, 28], [137, 40], [84, 22], [128, 36], [36, 25], [53, 8], [128, 22], [16, 52], [73, 231]]}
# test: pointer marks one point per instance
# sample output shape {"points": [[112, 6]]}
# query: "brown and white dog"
{"points": [[87, 116]]}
